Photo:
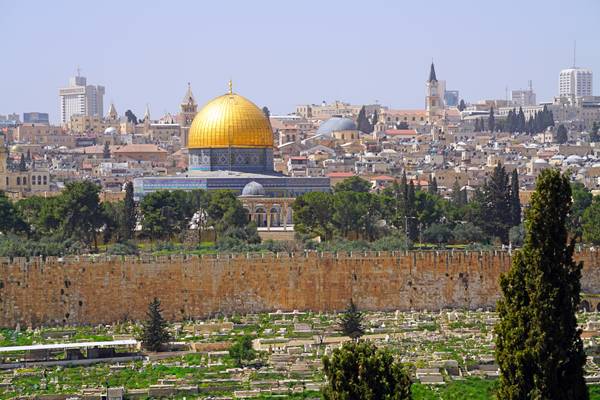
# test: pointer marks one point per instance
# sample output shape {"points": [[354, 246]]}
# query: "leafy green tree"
{"points": [[411, 222], [129, 213], [80, 211], [313, 214], [538, 345], [429, 208], [352, 322], [467, 233], [155, 333], [225, 211], [515, 201], [361, 371], [561, 134], [355, 214], [591, 222], [158, 215], [10, 220], [131, 118], [41, 215], [242, 350], [438, 233], [582, 199], [113, 220], [456, 195], [353, 184]]}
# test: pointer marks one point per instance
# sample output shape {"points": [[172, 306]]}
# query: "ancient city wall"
{"points": [[105, 290]]}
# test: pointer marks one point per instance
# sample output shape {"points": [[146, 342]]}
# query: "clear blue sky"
{"points": [[282, 53]]}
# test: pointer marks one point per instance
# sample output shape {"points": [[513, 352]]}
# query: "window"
{"points": [[45, 179], [18, 180], [24, 181]]}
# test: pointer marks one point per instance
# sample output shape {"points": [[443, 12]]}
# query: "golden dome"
{"points": [[230, 121]]}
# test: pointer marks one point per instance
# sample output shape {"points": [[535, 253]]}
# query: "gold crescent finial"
{"points": [[230, 87]]}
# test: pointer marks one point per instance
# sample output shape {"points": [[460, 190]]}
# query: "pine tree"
{"points": [[155, 332], [362, 371], [515, 201], [491, 121], [351, 322], [538, 346], [129, 214], [106, 151]]}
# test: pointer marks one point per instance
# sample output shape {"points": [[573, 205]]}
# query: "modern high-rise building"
{"points": [[79, 98], [524, 97], [575, 82]]}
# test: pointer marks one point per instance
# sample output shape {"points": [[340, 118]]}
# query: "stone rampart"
{"points": [[90, 290]]}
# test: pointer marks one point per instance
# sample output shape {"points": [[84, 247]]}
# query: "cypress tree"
{"points": [[411, 212], [491, 120], [129, 215], [594, 134], [106, 151], [456, 194], [432, 187], [515, 201], [538, 346], [561, 134], [362, 122], [374, 119], [497, 204], [521, 121], [477, 127], [155, 332], [351, 322]]}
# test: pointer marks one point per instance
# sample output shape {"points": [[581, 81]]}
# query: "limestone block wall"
{"points": [[105, 290]]}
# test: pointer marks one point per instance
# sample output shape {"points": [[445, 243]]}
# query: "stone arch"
{"points": [[585, 306], [598, 307], [275, 217], [260, 215]]}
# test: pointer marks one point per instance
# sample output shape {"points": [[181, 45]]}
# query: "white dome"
{"points": [[253, 189], [110, 130]]}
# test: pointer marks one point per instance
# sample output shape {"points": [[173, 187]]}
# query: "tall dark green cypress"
{"points": [[515, 201], [491, 120], [129, 214], [411, 213], [538, 346], [155, 333], [362, 122]]}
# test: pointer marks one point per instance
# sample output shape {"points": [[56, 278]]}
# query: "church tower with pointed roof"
{"points": [[189, 109], [433, 103], [112, 113]]}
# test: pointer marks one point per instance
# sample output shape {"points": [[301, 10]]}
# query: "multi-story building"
{"points": [[36, 118], [575, 82], [338, 108], [79, 98], [524, 97]]}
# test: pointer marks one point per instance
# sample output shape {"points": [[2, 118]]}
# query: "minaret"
{"points": [[189, 108], [3, 162], [432, 100]]}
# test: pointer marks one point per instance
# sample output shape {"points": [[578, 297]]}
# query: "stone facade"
{"points": [[106, 290]]}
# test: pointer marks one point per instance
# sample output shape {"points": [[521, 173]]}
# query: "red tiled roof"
{"points": [[408, 132]]}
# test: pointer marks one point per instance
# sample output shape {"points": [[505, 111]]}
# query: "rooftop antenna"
{"points": [[530, 85], [574, 53], [78, 71]]}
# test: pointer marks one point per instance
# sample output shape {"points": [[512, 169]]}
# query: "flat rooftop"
{"points": [[65, 346]]}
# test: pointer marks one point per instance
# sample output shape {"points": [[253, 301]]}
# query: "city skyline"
{"points": [[334, 51]]}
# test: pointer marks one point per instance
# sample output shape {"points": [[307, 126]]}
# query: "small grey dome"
{"points": [[336, 124], [253, 189]]}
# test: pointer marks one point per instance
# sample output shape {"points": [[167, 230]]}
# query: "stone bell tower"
{"points": [[433, 99], [188, 108]]}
